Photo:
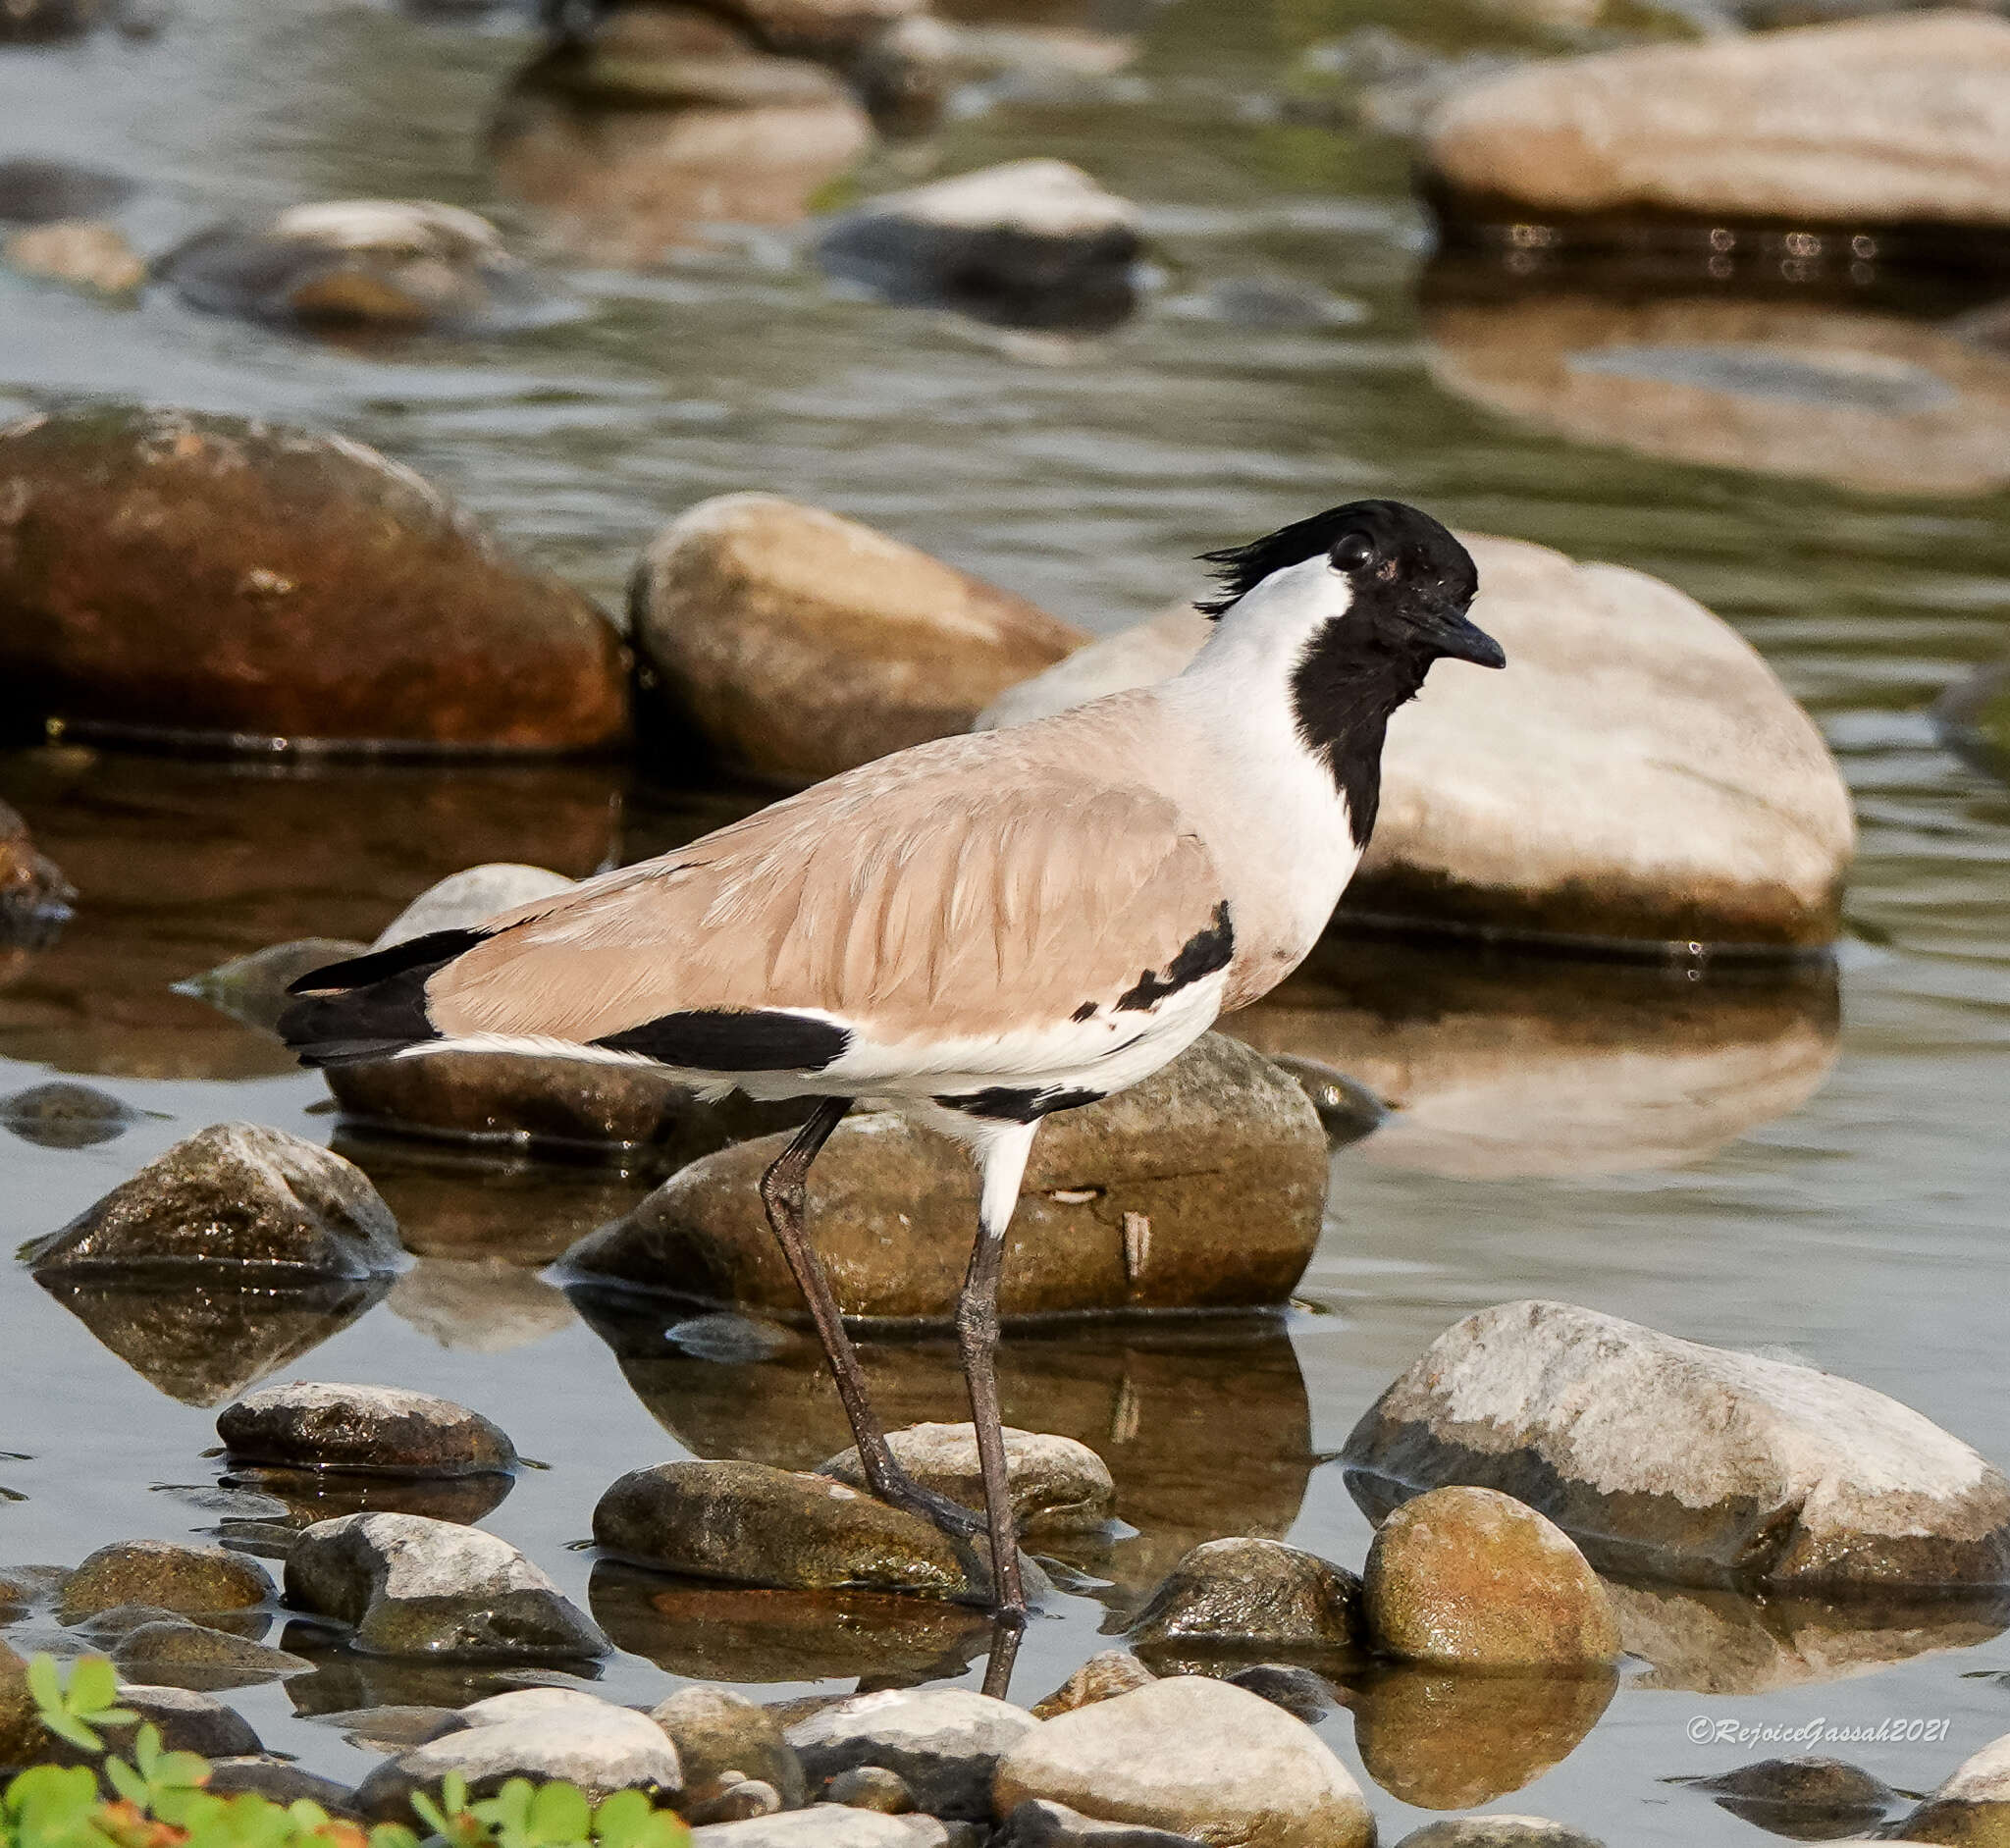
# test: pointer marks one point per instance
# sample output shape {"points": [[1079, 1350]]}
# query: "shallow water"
{"points": [[1816, 1167]]}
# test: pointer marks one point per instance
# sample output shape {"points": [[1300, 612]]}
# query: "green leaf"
{"points": [[183, 1771], [621, 1818], [560, 1812], [146, 1749], [429, 1812], [94, 1686], [127, 1782], [46, 1686], [394, 1835], [74, 1730]]}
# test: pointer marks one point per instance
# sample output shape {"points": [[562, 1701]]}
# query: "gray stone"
{"points": [[1498, 1831], [47, 191], [871, 1787], [1808, 1798], [826, 1825], [1101, 1677], [238, 1200], [1058, 1485], [1196, 1757], [252, 989], [187, 1720], [1252, 1592], [188, 1581], [182, 1653], [393, 1728], [722, 1736], [943, 1742], [313, 1425], [470, 897], [1665, 1459], [1347, 1109], [1201, 1188], [1971, 1807], [1039, 1823], [282, 1782], [733, 1801], [63, 1115], [1301, 1692], [418, 1587]]}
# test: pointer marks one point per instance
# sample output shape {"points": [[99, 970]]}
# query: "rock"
{"points": [[390, 263], [418, 1587], [1141, 655], [37, 22], [1039, 1823], [654, 54], [471, 897], [944, 1743], [190, 1581], [315, 1426], [1679, 1462], [242, 583], [1895, 122], [594, 1744], [1471, 1578], [1202, 1188], [795, 644], [280, 1782], [822, 28], [1804, 390], [1498, 1831], [50, 191], [1298, 1691], [1058, 1486], [85, 254], [1347, 1109], [826, 1825], [35, 896], [1973, 718], [1257, 1591], [872, 1787], [750, 1524], [739, 1802], [236, 1198], [1811, 1799], [1101, 1677], [182, 1653], [252, 990], [394, 1730], [1503, 808], [23, 1737], [1196, 1757], [1971, 1807], [187, 1720], [63, 1115], [722, 1738], [1029, 243]]}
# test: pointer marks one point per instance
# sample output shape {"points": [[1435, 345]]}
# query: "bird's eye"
{"points": [[1354, 552]]}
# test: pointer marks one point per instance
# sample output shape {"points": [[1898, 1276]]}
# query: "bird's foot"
{"points": [[902, 1491]]}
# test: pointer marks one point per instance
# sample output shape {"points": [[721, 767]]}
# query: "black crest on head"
{"points": [[1397, 530]]}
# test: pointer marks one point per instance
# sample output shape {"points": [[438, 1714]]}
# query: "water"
{"points": [[1817, 1168]]}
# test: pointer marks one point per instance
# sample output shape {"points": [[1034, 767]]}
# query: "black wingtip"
{"points": [[435, 949], [370, 1007]]}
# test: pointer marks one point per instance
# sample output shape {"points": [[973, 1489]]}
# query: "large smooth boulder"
{"points": [[239, 1199], [310, 1424], [794, 644], [1057, 1484], [1897, 121], [1194, 1756], [1636, 773], [174, 573], [1667, 1459], [1202, 1188]]}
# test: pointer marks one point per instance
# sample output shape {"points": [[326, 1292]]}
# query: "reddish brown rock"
{"points": [[35, 896]]}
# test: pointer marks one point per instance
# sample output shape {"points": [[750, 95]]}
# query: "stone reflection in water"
{"points": [[1203, 1423], [205, 1343], [748, 1635], [1439, 1739], [344, 1682], [323, 1495], [1719, 1642], [1499, 1065], [190, 863], [1803, 388]]}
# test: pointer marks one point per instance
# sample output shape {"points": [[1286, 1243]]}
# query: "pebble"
{"points": [[236, 1198], [1252, 1592], [35, 191], [188, 1581], [311, 1425], [417, 1587], [1467, 1577], [1498, 1831], [82, 253], [871, 1787], [1201, 1188], [944, 1743], [1970, 1807], [1057, 1484], [35, 896], [792, 644], [244, 584], [1039, 1822], [1668, 1460], [739, 1802], [1102, 1677], [724, 1736], [1196, 1757], [63, 1115], [1027, 244]]}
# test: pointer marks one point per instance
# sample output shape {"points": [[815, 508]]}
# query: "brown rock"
{"points": [[166, 574], [796, 644], [39, 22], [191, 1581], [1252, 1592], [81, 251], [315, 1425], [35, 896], [1471, 1578], [1201, 1188], [1101, 1677], [722, 1738], [1971, 1807], [21, 1734], [1057, 1485]]}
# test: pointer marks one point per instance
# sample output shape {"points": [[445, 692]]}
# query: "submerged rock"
{"points": [[175, 1651], [1102, 1677], [1811, 1799], [1971, 1807], [85, 254], [238, 1198], [240, 582], [34, 191], [63, 1115], [943, 1743], [310, 1425], [1057, 1485], [1674, 1460], [254, 988], [1202, 1188], [1196, 1757], [280, 1782], [726, 1741], [1470, 1579], [390, 263], [1252, 1592], [1029, 243], [1972, 717], [186, 1719], [795, 644], [35, 896], [411, 1586], [189, 1581], [1504, 808]]}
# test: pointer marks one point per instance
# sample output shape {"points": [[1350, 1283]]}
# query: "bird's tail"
{"points": [[373, 1006]]}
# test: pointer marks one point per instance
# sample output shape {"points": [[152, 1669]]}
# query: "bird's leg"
{"points": [[782, 1191]]}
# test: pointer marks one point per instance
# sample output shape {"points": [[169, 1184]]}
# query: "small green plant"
{"points": [[160, 1799]]}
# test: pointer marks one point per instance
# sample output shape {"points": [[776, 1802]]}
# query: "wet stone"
{"points": [[65, 1115], [252, 989], [35, 896], [278, 1781], [1057, 1484], [187, 1721], [240, 1199], [1196, 1757], [1469, 1577], [827, 1826], [319, 1426], [418, 1587], [174, 1652], [394, 1730], [86, 255], [1039, 1823], [1498, 1831], [1252, 1592], [189, 1581], [1812, 1798], [36, 191], [41, 21], [1971, 1807], [944, 1743], [1347, 1109], [1101, 1677], [1667, 1459], [733, 1801], [870, 1787], [21, 1734], [1298, 1691], [723, 1739], [310, 1496]]}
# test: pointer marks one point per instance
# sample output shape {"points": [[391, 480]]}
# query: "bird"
{"points": [[980, 930]]}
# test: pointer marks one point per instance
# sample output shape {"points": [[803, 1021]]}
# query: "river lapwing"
{"points": [[981, 930]]}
